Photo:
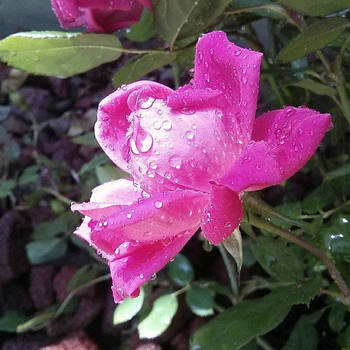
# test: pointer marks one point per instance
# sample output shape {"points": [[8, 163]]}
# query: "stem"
{"points": [[59, 196], [75, 291], [231, 271], [182, 290], [340, 80], [333, 271], [254, 203], [263, 344]]}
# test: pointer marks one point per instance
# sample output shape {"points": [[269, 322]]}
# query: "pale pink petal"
{"points": [[187, 147], [221, 65], [112, 123], [159, 217], [222, 214], [136, 263], [255, 169], [109, 198], [293, 135]]}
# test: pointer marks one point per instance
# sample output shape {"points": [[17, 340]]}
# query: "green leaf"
{"points": [[233, 245], [10, 320], [62, 224], [29, 175], [135, 70], [12, 149], [128, 308], [264, 8], [316, 88], [200, 300], [278, 259], [336, 238], [84, 275], [304, 335], [315, 37], [181, 271], [336, 317], [96, 161], [46, 250], [109, 172], [6, 187], [339, 172], [316, 7], [183, 18], [159, 319], [144, 29], [238, 325], [86, 139], [58, 53], [319, 198]]}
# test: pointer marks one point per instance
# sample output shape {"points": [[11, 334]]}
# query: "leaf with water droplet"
{"points": [[58, 53]]}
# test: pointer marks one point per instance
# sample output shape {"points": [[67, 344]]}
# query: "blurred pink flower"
{"points": [[105, 16], [191, 153]]}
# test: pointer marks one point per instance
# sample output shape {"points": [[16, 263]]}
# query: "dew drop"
{"points": [[175, 162], [238, 52], [141, 276], [157, 124], [244, 80], [158, 204], [189, 135], [147, 103], [154, 277], [167, 125]]}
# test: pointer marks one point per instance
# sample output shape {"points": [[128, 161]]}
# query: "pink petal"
{"points": [[284, 141], [222, 214], [293, 135], [159, 217], [112, 123], [186, 147], [146, 3], [221, 65], [68, 13], [106, 4], [108, 21], [135, 263], [255, 169], [109, 198]]}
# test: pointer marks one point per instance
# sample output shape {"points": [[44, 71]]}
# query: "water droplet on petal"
{"points": [[175, 162], [158, 204], [129, 215], [189, 135], [154, 277], [244, 80], [157, 124], [167, 125], [142, 276], [147, 103]]}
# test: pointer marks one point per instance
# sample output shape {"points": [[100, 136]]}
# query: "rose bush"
{"points": [[191, 153], [104, 16]]}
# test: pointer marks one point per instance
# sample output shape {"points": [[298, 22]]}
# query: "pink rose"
{"points": [[191, 153], [105, 16]]}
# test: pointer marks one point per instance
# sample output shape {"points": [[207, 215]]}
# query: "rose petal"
{"points": [[293, 135], [147, 4], [68, 13], [158, 217], [222, 214], [135, 263], [109, 198], [106, 4], [286, 139], [188, 148], [112, 124], [221, 65], [255, 169]]}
